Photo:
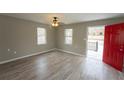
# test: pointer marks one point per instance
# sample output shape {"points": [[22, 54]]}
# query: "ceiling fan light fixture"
{"points": [[55, 22]]}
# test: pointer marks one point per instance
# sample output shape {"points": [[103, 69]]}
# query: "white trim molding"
{"points": [[77, 54], [14, 59]]}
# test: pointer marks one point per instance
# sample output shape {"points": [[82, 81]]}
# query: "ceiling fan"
{"points": [[56, 22]]}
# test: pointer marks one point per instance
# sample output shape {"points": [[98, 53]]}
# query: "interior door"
{"points": [[114, 46]]}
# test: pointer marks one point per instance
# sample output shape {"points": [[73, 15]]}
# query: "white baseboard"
{"points": [[14, 59], [70, 52]]}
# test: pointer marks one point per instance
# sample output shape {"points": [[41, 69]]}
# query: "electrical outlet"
{"points": [[8, 50], [15, 52]]}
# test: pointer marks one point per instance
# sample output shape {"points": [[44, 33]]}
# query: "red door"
{"points": [[114, 46]]}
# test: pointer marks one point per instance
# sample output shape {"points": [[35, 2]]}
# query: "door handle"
{"points": [[121, 49]]}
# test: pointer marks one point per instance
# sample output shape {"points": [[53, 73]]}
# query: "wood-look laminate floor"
{"points": [[58, 66]]}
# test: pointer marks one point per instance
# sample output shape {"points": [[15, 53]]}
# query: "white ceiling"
{"points": [[66, 18]]}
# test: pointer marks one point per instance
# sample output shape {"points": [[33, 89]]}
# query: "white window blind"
{"points": [[68, 36], [41, 36]]}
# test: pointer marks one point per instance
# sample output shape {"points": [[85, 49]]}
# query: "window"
{"points": [[41, 36], [68, 36]]}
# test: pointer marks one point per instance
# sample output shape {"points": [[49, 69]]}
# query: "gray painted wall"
{"points": [[80, 34], [21, 36]]}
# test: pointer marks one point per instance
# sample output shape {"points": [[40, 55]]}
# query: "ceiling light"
{"points": [[55, 22]]}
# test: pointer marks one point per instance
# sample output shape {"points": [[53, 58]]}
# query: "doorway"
{"points": [[95, 42]]}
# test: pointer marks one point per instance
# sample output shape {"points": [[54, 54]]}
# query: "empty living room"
{"points": [[61, 46]]}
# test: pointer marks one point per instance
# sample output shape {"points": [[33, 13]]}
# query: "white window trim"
{"points": [[45, 35], [65, 36]]}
